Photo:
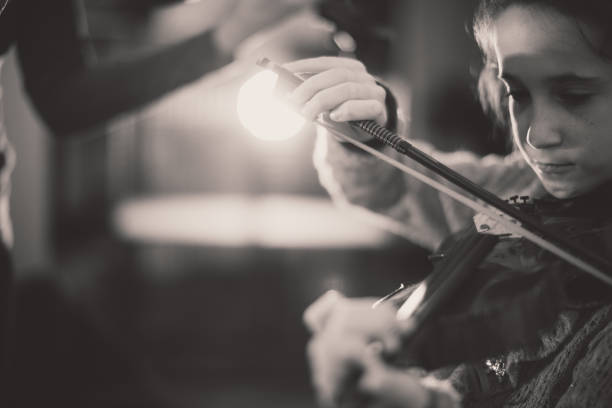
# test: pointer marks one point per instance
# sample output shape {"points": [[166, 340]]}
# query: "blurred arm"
{"points": [[71, 95]]}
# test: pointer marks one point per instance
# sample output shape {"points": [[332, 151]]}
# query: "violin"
{"points": [[515, 270], [490, 293]]}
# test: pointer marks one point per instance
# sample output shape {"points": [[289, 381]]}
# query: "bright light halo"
{"points": [[261, 111]]}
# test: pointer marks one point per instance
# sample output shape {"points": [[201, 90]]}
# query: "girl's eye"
{"points": [[574, 98]]}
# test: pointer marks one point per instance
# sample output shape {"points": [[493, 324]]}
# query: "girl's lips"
{"points": [[553, 168]]}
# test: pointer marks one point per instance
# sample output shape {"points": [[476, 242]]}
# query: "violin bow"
{"points": [[470, 194]]}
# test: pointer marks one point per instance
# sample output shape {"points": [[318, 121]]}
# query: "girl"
{"points": [[548, 76]]}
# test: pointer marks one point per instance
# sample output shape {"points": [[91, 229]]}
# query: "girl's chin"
{"points": [[560, 193], [563, 189]]}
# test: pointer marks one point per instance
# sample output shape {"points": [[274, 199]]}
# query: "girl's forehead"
{"points": [[523, 34]]}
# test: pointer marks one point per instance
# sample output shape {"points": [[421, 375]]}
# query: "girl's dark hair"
{"points": [[595, 13]]}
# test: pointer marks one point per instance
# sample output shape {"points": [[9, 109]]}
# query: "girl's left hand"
{"points": [[345, 353], [350, 371], [389, 387], [340, 86]]}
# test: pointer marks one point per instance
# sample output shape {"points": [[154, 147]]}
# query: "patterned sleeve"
{"points": [[404, 205], [592, 377]]}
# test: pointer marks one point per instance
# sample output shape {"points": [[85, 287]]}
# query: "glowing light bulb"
{"points": [[263, 113]]}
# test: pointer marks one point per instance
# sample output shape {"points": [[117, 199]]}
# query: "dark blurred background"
{"points": [[165, 258]]}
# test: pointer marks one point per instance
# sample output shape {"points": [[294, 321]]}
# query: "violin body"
{"points": [[514, 292]]}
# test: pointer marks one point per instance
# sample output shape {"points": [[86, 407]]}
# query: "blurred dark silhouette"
{"points": [[118, 322]]}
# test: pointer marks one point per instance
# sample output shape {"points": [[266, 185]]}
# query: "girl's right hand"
{"points": [[339, 86]]}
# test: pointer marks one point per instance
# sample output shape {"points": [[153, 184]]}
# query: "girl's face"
{"points": [[560, 98]]}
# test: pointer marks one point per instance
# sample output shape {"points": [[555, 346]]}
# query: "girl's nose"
{"points": [[539, 138]]}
